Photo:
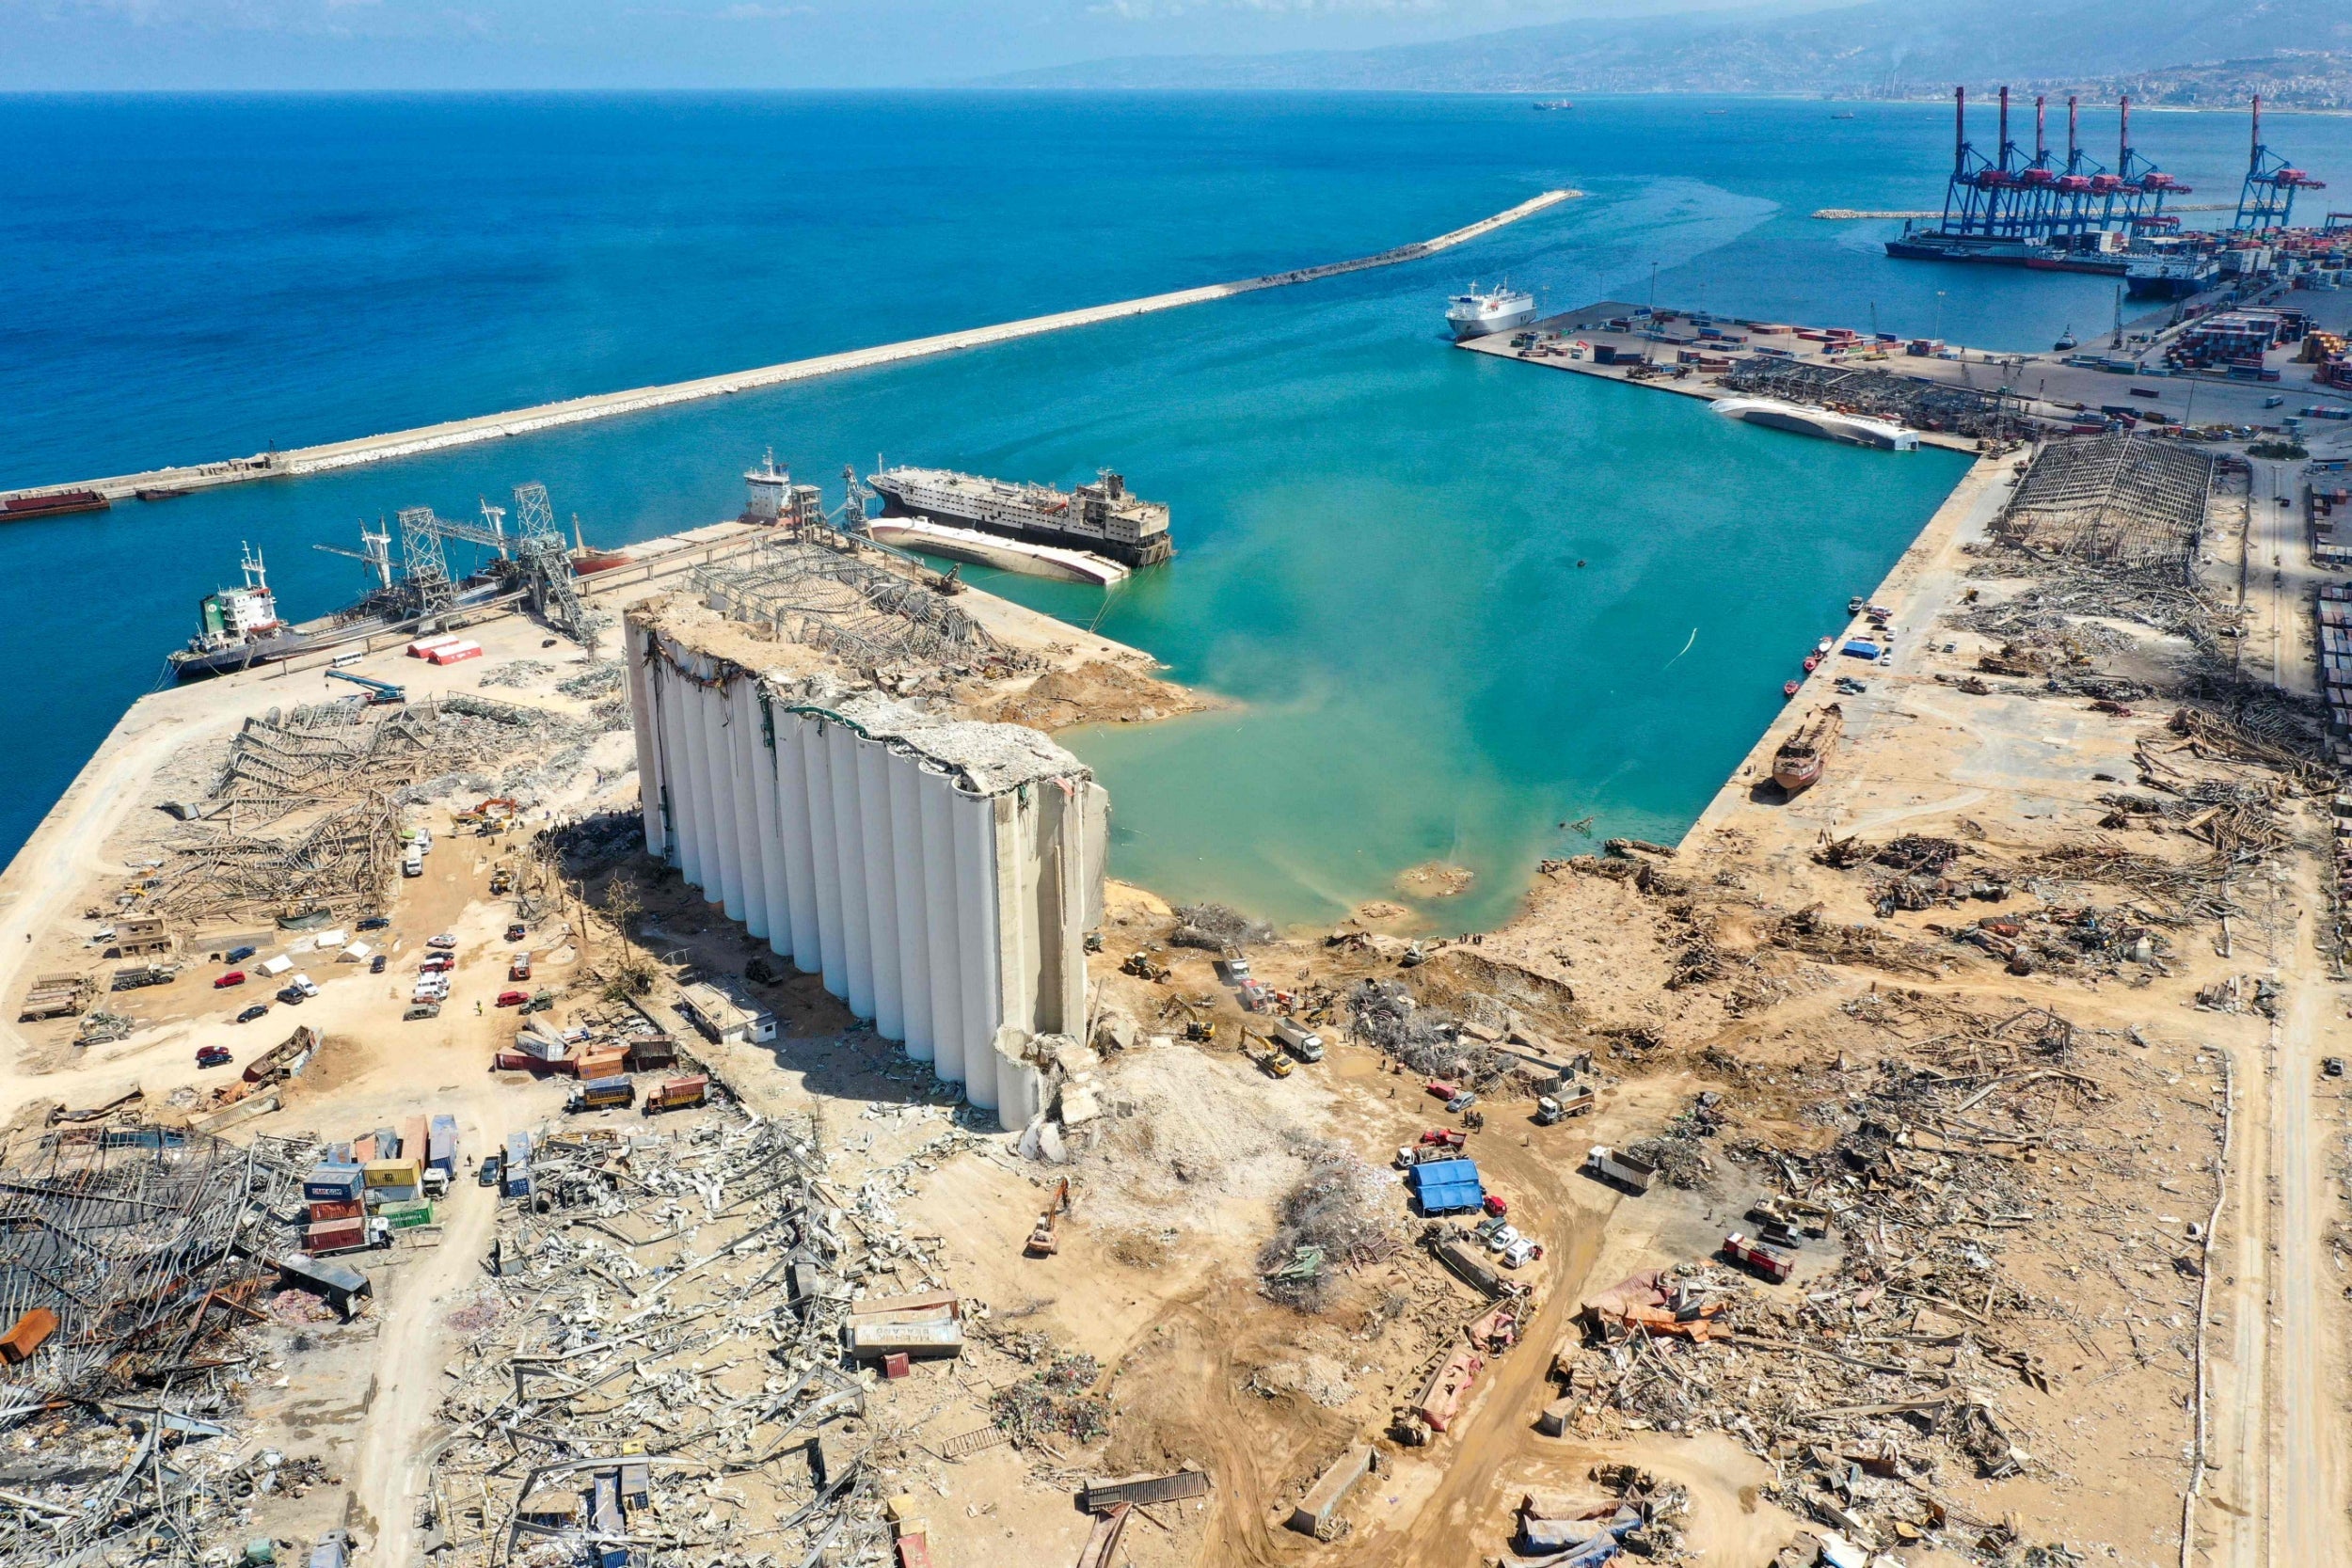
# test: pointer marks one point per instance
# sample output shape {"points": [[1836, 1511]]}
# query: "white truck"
{"points": [[1299, 1041], [1623, 1169]]}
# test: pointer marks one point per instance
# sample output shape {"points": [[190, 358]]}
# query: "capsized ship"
{"points": [[1101, 518], [1483, 314], [1853, 429]]}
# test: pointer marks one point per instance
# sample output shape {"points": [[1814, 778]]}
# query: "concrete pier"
{"points": [[548, 416]]}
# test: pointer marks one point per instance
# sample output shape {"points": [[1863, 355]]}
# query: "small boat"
{"points": [[1812, 662], [1841, 117], [160, 493], [1825, 644], [1797, 765], [1552, 104], [1853, 606], [1790, 688], [2065, 339]]}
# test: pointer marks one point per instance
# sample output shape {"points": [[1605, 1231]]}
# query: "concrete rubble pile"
{"points": [[665, 1369], [1877, 1385], [134, 1297]]}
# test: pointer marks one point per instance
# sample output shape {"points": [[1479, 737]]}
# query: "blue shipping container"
{"points": [[1446, 1186], [332, 1183], [443, 1144]]}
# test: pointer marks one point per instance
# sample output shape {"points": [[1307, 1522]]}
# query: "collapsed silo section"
{"points": [[938, 875]]}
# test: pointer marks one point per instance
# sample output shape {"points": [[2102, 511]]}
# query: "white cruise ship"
{"points": [[1482, 314]]}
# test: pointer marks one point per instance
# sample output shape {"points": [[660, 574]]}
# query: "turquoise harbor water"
{"points": [[1380, 536]]}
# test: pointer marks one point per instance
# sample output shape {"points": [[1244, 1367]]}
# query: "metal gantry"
{"points": [[2036, 200], [2267, 199]]}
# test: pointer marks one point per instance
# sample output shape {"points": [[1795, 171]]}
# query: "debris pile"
{"points": [[1876, 1385], [133, 1263], [661, 1361], [1427, 1040], [1215, 927], [1342, 1213]]}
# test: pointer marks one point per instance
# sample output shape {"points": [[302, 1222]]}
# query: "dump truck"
{"points": [[1623, 1169], [1765, 1262], [1299, 1041], [603, 1094], [1569, 1102], [678, 1093]]}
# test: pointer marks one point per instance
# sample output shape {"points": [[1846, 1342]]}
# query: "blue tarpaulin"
{"points": [[1861, 648], [1446, 1186]]}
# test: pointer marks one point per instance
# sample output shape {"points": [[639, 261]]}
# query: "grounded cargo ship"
{"points": [[1483, 315], [240, 627], [1100, 517], [1797, 765], [2170, 276]]}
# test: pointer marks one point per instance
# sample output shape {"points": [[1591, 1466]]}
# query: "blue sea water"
{"points": [[1380, 536]]}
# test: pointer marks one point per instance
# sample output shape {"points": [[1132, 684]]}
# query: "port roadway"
{"points": [[604, 405]]}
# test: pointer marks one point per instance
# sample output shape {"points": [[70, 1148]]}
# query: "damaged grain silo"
{"points": [[939, 874]]}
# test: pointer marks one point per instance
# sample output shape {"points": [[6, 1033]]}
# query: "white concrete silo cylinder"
{"points": [[975, 932], [825, 876], [641, 722], [745, 748], [937, 792], [792, 827], [906, 856], [874, 764], [719, 734], [849, 829], [694, 819], [773, 882]]}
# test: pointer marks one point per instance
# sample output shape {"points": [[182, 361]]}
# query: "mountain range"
{"points": [[2175, 51]]}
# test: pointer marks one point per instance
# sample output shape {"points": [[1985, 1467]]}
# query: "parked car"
{"points": [[235, 977], [257, 1011], [238, 955], [375, 965], [303, 982], [421, 1009], [373, 923], [212, 1055], [489, 1174], [514, 932], [436, 963], [513, 998], [444, 941], [292, 996], [2332, 1066], [1461, 1103]]}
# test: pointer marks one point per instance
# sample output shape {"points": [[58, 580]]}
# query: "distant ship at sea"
{"points": [[1551, 104]]}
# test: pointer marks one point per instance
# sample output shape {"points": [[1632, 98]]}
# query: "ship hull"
{"points": [[1487, 326], [2166, 288], [1151, 553], [1795, 778], [1924, 248], [190, 664]]}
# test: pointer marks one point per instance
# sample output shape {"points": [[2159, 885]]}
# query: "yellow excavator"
{"points": [[1042, 1242]]}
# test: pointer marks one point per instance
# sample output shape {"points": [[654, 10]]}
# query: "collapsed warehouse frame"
{"points": [[863, 613], [2122, 503], [128, 1253]]}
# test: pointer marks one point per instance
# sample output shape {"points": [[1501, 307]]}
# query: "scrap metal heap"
{"points": [[141, 1250], [1877, 394], [831, 597], [658, 1365], [2123, 503]]}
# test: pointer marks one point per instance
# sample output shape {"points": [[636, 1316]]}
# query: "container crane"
{"points": [[2267, 199]]}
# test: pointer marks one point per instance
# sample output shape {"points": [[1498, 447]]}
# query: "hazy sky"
{"points": [[477, 43]]}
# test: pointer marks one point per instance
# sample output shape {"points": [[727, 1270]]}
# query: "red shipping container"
{"points": [[336, 1234], [914, 1551], [326, 1210], [29, 1333]]}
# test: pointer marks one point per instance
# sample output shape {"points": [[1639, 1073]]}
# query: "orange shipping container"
{"points": [[31, 1332]]}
